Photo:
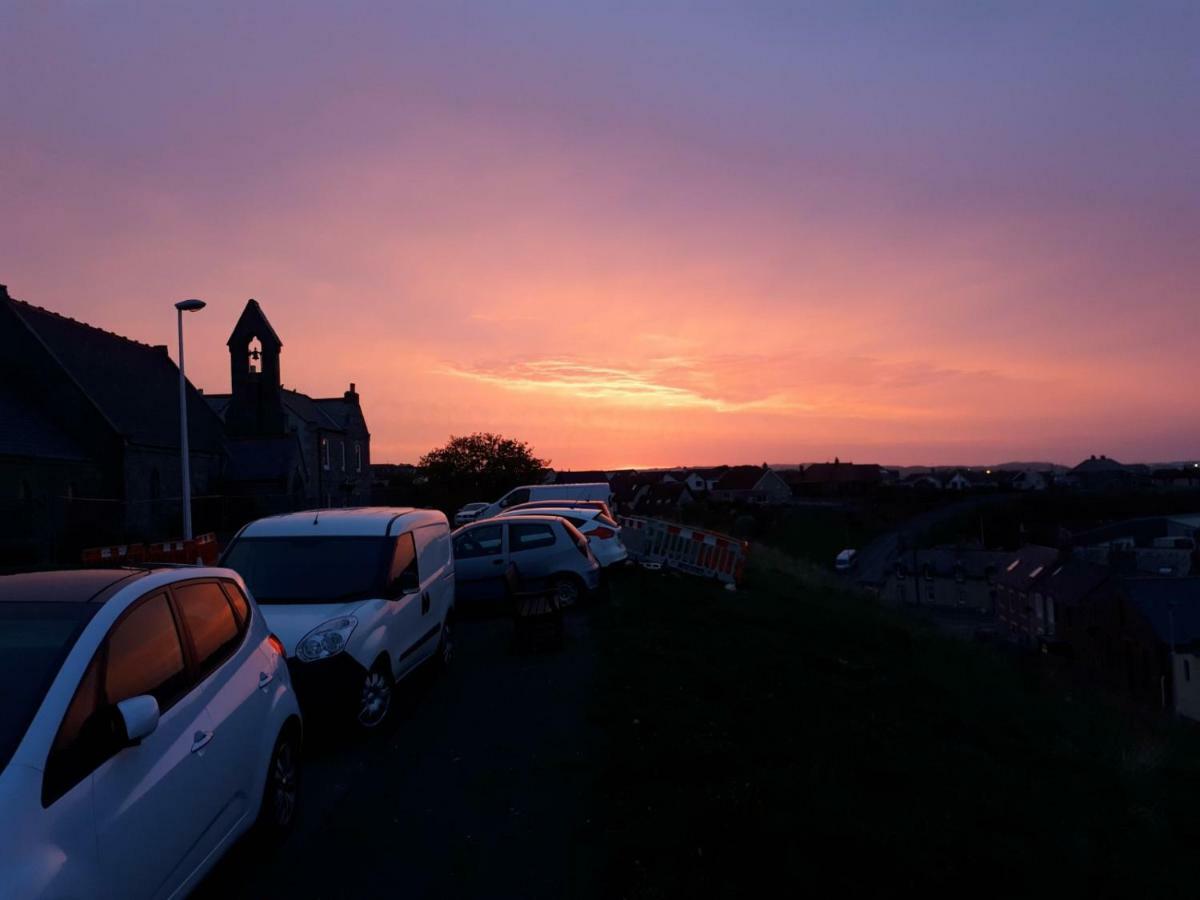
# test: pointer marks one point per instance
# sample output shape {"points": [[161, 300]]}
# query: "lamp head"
{"points": [[190, 305]]}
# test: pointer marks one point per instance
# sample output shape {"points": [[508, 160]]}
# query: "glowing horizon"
{"points": [[750, 234]]}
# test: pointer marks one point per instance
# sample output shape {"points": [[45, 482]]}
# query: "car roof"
{"points": [[68, 586], [551, 509], [365, 521]]}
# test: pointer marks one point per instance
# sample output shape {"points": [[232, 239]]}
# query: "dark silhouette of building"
{"points": [[89, 438], [286, 448]]}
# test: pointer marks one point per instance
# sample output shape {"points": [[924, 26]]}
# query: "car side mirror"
{"points": [[137, 717], [404, 583]]}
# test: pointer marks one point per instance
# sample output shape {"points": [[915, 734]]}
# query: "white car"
{"points": [[599, 490], [146, 722], [602, 532], [359, 597], [468, 513]]}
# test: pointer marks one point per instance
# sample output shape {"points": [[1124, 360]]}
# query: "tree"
{"points": [[480, 466]]}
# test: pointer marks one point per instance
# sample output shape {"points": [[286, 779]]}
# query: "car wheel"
{"points": [[375, 698], [281, 793], [565, 590]]}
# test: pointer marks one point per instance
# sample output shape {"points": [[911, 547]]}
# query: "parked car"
{"points": [[846, 560], [548, 551], [359, 597], [602, 532], [468, 513], [147, 721], [599, 490], [600, 505]]}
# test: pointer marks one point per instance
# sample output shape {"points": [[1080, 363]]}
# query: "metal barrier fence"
{"points": [[710, 554]]}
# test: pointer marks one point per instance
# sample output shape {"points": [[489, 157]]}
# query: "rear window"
{"points": [[529, 537], [312, 569], [209, 621]]}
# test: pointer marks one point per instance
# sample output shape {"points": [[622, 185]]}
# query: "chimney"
{"points": [[352, 394]]}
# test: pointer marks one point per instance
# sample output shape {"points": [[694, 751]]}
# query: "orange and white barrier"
{"points": [[656, 543], [201, 550]]}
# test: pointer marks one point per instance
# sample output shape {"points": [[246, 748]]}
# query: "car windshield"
{"points": [[35, 638], [311, 569]]}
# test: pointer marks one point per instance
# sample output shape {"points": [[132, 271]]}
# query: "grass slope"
{"points": [[786, 736]]}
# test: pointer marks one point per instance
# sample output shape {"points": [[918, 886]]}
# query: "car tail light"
{"points": [[602, 534], [277, 644]]}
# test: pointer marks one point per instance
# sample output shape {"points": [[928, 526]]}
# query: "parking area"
{"points": [[481, 786]]}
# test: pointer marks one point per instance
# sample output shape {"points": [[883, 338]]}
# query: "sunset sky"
{"points": [[639, 234]]}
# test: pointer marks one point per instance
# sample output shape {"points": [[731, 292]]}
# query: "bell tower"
{"points": [[256, 401]]}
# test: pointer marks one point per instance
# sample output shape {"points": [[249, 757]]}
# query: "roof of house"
{"points": [[667, 493], [974, 477], [838, 472], [1170, 606], [741, 478], [1099, 464], [1027, 565], [135, 386], [1074, 580], [949, 561]]}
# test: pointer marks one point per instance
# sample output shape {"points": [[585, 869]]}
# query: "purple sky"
{"points": [[717, 232]]}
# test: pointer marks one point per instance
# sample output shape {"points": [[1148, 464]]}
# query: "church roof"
{"points": [[253, 322], [135, 386]]}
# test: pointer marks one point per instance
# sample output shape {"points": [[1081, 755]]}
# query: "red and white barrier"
{"points": [[201, 550], [697, 551]]}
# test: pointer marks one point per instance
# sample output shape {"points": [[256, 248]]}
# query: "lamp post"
{"points": [[185, 306]]}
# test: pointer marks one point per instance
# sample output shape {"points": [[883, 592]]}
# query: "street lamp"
{"points": [[185, 306]]}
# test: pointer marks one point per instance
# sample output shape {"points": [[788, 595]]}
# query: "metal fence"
{"points": [[696, 551]]}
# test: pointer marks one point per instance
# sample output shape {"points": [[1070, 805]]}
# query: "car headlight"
{"points": [[326, 640]]}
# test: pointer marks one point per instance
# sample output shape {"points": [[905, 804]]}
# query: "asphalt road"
{"points": [[480, 786]]}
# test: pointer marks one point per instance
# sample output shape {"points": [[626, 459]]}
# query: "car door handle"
{"points": [[264, 679], [200, 740]]}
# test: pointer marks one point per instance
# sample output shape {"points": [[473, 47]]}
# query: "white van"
{"points": [[598, 490], [359, 598]]}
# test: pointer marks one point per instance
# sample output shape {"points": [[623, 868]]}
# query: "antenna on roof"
{"points": [[317, 518]]}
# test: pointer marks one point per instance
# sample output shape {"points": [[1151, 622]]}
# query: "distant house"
{"points": [[1160, 642], [947, 577], [1021, 607], [663, 498], [628, 487], [1031, 480], [1102, 473], [1152, 545], [837, 477], [752, 484], [969, 479], [923, 481], [1070, 591], [698, 481], [1183, 478]]}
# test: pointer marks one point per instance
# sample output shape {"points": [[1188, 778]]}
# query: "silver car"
{"points": [[549, 553]]}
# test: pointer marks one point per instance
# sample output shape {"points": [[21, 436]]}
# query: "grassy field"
{"points": [[796, 736]]}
